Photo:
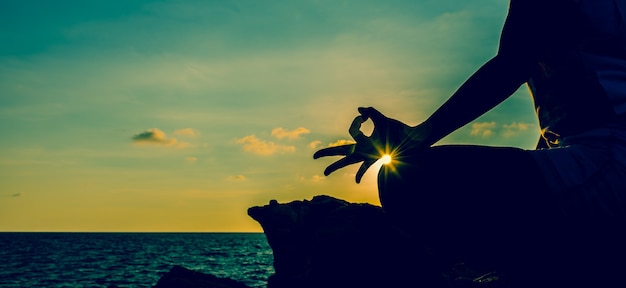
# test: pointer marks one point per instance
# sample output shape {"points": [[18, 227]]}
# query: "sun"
{"points": [[386, 159]]}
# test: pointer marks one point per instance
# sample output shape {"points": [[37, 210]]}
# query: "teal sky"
{"points": [[179, 115]]}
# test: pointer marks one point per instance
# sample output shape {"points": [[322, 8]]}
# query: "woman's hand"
{"points": [[390, 137]]}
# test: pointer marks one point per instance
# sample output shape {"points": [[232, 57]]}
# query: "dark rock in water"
{"points": [[327, 242], [180, 277]]}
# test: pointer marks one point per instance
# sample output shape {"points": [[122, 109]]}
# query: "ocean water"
{"points": [[129, 259]]}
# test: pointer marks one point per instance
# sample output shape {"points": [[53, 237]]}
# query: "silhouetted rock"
{"points": [[180, 277], [327, 242], [331, 243]]}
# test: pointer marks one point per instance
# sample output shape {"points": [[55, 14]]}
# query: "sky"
{"points": [[178, 116]]}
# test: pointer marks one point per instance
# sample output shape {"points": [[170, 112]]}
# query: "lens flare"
{"points": [[386, 159]]}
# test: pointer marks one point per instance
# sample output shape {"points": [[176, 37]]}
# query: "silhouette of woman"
{"points": [[548, 216]]}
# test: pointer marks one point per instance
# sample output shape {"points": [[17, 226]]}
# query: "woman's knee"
{"points": [[385, 188], [396, 189]]}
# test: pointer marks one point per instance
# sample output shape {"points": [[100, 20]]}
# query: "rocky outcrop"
{"points": [[328, 242], [180, 277]]}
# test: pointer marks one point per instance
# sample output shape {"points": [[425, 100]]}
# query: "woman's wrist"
{"points": [[419, 133]]}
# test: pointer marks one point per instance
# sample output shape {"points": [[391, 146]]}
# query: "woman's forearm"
{"points": [[494, 82]]}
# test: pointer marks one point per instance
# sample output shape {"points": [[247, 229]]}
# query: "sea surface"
{"points": [[129, 259]]}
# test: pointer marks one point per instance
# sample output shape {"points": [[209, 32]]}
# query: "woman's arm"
{"points": [[497, 79], [486, 88]]}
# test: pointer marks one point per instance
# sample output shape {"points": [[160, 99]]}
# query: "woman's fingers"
{"points": [[364, 150], [366, 165], [355, 129], [371, 112], [343, 162], [342, 150]]}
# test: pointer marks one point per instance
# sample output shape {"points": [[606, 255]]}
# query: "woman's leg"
{"points": [[473, 202]]}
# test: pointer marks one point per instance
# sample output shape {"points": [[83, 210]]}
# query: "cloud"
{"points": [[315, 144], [236, 178], [318, 144], [281, 133], [155, 136], [517, 126], [313, 179], [487, 129], [514, 128], [341, 142], [183, 145], [16, 195], [483, 129], [257, 146], [191, 159], [189, 132]]}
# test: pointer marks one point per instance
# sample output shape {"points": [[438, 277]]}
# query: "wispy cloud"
{"points": [[257, 146], [313, 179], [489, 129], [155, 136], [515, 128], [341, 142], [318, 144], [16, 195], [189, 132], [281, 133], [236, 178], [315, 144], [483, 129]]}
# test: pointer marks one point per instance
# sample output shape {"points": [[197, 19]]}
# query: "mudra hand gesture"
{"points": [[390, 137]]}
